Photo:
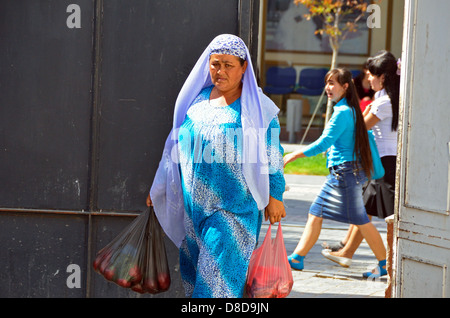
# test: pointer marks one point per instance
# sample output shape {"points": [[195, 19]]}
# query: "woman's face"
{"points": [[335, 91], [376, 82], [226, 71]]}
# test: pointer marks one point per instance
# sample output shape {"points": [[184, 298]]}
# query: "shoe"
{"points": [[377, 272], [334, 247], [297, 266], [343, 261]]}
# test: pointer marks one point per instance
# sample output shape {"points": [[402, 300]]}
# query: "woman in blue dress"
{"points": [[349, 160], [221, 170]]}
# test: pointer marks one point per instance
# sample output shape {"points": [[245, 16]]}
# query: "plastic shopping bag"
{"points": [[137, 257], [269, 273]]}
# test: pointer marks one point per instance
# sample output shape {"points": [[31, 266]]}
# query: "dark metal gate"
{"points": [[87, 89]]}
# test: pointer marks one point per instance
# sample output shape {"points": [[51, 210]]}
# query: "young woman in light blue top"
{"points": [[349, 161], [382, 117]]}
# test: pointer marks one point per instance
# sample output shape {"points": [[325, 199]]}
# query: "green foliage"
{"points": [[314, 166], [332, 12]]}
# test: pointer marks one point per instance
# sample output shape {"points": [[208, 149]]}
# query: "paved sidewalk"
{"points": [[322, 278]]}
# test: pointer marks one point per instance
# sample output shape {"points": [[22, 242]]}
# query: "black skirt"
{"points": [[378, 195]]}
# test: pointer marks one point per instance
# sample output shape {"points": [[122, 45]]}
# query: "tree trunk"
{"points": [[334, 43], [329, 103]]}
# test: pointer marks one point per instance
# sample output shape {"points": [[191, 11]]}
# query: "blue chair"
{"points": [[355, 73], [311, 81], [280, 80]]}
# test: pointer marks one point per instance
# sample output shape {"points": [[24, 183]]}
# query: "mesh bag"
{"points": [[137, 258]]}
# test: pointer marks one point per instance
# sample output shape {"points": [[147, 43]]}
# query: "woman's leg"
{"points": [[351, 245], [310, 235], [349, 235], [373, 238], [338, 246]]}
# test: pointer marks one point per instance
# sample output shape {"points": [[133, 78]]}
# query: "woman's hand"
{"points": [[274, 211], [292, 157], [149, 201]]}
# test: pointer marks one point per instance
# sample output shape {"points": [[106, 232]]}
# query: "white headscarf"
{"points": [[257, 111]]}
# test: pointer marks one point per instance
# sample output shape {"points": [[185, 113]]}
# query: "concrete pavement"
{"points": [[322, 278]]}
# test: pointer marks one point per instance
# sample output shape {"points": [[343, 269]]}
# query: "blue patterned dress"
{"points": [[222, 220]]}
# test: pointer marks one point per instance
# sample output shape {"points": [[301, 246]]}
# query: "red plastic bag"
{"points": [[137, 257], [269, 273]]}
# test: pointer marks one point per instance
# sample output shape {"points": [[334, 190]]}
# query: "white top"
{"points": [[386, 138]]}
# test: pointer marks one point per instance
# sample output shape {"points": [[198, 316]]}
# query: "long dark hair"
{"points": [[385, 63], [362, 147]]}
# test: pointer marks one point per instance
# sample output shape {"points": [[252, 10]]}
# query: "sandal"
{"points": [[294, 265]]}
